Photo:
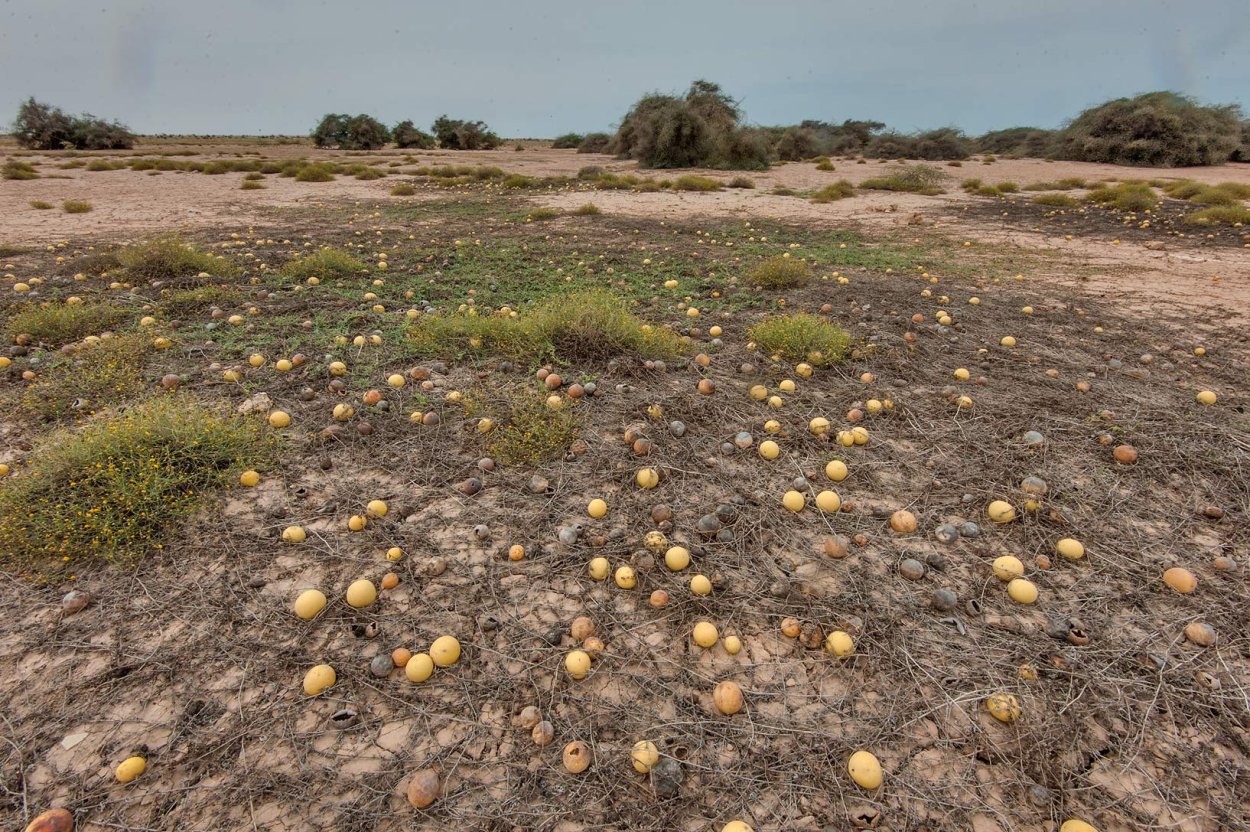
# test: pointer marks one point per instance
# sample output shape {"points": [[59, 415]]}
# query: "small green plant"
{"points": [[8, 250], [778, 273], [251, 185], [40, 205], [403, 189], [116, 488], [691, 182], [741, 182], [1233, 215], [540, 214], [1126, 196], [186, 302], [315, 172], [253, 176], [74, 206], [916, 179], [801, 337], [13, 169], [1008, 187], [323, 264], [825, 164], [832, 192], [567, 141], [55, 323], [782, 191], [986, 190], [587, 210], [516, 180], [169, 257], [100, 375], [528, 432], [96, 165], [1056, 200]]}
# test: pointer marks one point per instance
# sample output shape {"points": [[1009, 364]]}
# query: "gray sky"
{"points": [[537, 68]]}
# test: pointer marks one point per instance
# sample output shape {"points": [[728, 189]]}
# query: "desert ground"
{"points": [[998, 352]]}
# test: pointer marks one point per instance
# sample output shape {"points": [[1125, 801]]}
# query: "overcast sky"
{"points": [[536, 68]]}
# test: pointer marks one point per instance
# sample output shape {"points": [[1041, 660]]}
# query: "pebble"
{"points": [[946, 533], [75, 600], [911, 569], [381, 666]]}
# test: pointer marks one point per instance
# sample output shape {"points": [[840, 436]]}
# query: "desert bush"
{"points": [[1225, 193], [253, 176], [13, 169], [1126, 196], [407, 135], [43, 127], [919, 179], [825, 164], [1056, 200], [801, 337], [541, 214], [403, 189], [324, 264], [76, 206], [741, 182], [1220, 215], [595, 143], [251, 185], [589, 172], [455, 134], [690, 182], [567, 141], [817, 138], [935, 145], [1016, 142], [527, 432], [778, 273], [183, 302], [40, 205], [90, 133], [314, 172], [587, 210], [102, 374], [1157, 129], [114, 489], [833, 192], [359, 132], [55, 323], [169, 257], [700, 130], [1008, 187]]}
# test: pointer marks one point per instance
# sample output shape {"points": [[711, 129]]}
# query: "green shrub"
{"points": [[40, 205], [455, 134], [185, 302], [407, 135], [972, 185], [43, 127], [315, 172], [73, 206], [832, 192], [567, 141], [690, 182], [57, 323], [741, 182], [825, 164], [1157, 129], [251, 185], [1126, 196], [918, 179], [986, 190], [1016, 142], [801, 337], [587, 210], [595, 143], [324, 264], [99, 375], [527, 432], [116, 489], [360, 132], [403, 189], [13, 169], [778, 273], [935, 145], [1055, 200], [1008, 188], [1220, 215], [703, 129], [169, 257], [540, 214], [253, 176], [516, 180]]}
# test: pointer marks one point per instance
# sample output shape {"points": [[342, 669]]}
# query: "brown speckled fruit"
{"points": [[53, 820], [576, 757], [728, 698], [424, 788]]}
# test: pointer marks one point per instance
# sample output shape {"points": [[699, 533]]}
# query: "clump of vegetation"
{"points": [[812, 139], [184, 302], [114, 489], [595, 143], [251, 185], [779, 273], [702, 129], [833, 192], [1233, 215], [741, 182], [57, 323], [587, 210], [528, 432], [1158, 129], [169, 257], [823, 163], [1017, 142], [407, 135], [933, 145], [43, 127], [916, 179], [567, 141], [1126, 196], [587, 326], [455, 134], [1225, 193], [315, 172], [801, 337], [10, 250], [99, 375], [541, 214], [690, 182], [18, 170], [403, 189], [40, 205], [75, 206], [1056, 200], [1008, 187], [516, 180], [360, 132], [324, 264]]}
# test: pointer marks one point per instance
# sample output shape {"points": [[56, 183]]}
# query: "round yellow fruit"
{"points": [[294, 534], [1074, 825], [818, 426], [1206, 397], [769, 449], [625, 577], [1008, 567], [1022, 591], [962, 374], [394, 554], [737, 826], [705, 634], [786, 386], [419, 667], [361, 593], [309, 603], [357, 522], [577, 664], [759, 392], [836, 470], [700, 585], [1070, 548], [840, 644], [599, 568], [279, 419], [644, 756], [249, 478], [677, 558], [318, 679], [732, 645], [647, 478], [445, 651], [864, 769], [828, 502], [1001, 511], [1003, 706], [597, 508], [793, 500], [395, 380], [772, 426], [1008, 341], [130, 769]]}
